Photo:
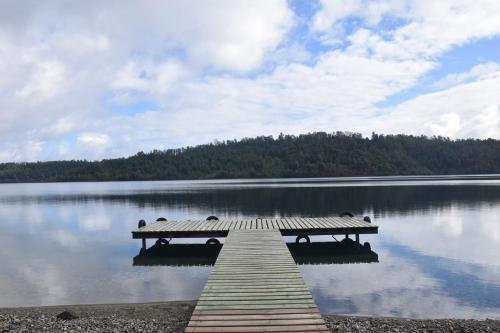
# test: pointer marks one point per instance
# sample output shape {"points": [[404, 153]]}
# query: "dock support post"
{"points": [[357, 238], [346, 236], [144, 243]]}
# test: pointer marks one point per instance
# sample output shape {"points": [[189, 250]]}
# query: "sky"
{"points": [[102, 79]]}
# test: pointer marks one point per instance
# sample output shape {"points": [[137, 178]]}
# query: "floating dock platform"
{"points": [[255, 285], [287, 227]]}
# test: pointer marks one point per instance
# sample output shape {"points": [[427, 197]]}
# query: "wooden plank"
{"points": [[287, 225], [227, 226], [265, 312], [253, 297], [248, 329], [319, 223], [255, 306], [281, 225], [305, 223], [279, 316], [332, 221], [296, 221], [256, 288], [251, 273], [237, 265], [241, 294], [215, 225], [188, 225], [292, 223], [308, 223], [257, 322], [261, 303], [223, 224], [299, 223]]}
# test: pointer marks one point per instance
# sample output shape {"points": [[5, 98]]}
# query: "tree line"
{"points": [[309, 155]]}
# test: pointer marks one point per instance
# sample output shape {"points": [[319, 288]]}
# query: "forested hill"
{"points": [[309, 155]]}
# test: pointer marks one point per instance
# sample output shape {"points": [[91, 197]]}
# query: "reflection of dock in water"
{"points": [[179, 255], [255, 284], [315, 253], [346, 251]]}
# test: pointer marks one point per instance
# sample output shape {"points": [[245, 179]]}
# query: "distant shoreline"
{"points": [[174, 316], [291, 180], [316, 154]]}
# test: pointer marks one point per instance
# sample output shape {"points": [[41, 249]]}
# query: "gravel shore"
{"points": [[138, 317], [382, 324], [174, 316]]}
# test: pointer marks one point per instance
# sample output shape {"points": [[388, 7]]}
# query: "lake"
{"points": [[438, 244]]}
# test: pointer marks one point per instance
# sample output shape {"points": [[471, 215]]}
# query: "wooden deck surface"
{"points": [[255, 286], [287, 227]]}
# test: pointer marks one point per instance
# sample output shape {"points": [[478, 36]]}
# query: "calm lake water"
{"points": [[438, 241]]}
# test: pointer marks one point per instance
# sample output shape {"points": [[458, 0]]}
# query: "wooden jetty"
{"points": [[255, 285]]}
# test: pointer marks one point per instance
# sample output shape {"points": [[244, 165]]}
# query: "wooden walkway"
{"points": [[255, 286], [287, 227]]}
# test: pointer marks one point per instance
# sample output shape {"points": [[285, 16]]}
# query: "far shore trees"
{"points": [[310, 155]]}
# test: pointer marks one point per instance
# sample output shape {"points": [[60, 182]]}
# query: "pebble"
{"points": [[66, 315]]}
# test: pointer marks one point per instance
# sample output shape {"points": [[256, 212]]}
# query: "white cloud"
{"points": [[447, 125], [437, 25], [297, 97], [60, 61], [226, 34], [231, 69], [333, 11], [91, 145], [246, 31], [44, 83], [474, 73], [485, 123], [29, 149], [148, 78], [93, 139], [429, 27], [466, 110], [294, 53]]}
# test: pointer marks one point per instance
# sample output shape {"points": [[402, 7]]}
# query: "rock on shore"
{"points": [[174, 316]]}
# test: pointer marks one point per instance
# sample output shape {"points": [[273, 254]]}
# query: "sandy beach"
{"points": [[174, 316]]}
